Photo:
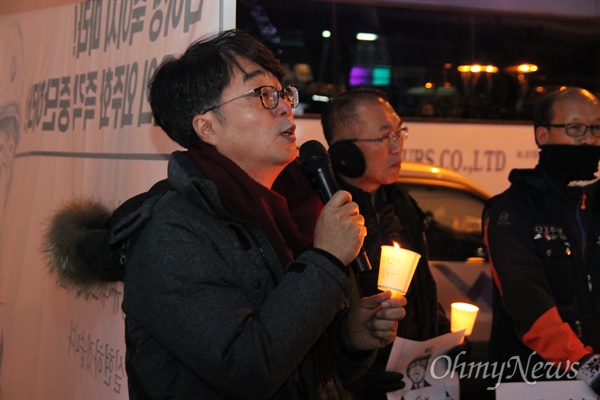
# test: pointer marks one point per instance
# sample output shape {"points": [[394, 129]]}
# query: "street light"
{"points": [[521, 71], [524, 68]]}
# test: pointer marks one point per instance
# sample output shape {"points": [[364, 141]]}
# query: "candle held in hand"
{"points": [[396, 268], [462, 316]]}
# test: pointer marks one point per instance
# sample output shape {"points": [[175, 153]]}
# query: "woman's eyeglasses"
{"points": [[269, 97]]}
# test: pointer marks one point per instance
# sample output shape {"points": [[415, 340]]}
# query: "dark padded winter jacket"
{"points": [[544, 245]]}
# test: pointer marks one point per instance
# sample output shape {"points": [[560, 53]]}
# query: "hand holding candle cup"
{"points": [[462, 316], [396, 268]]}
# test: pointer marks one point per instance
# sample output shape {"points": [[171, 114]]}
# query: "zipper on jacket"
{"points": [[583, 204], [579, 216], [578, 328]]}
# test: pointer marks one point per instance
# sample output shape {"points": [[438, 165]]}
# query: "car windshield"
{"points": [[454, 222]]}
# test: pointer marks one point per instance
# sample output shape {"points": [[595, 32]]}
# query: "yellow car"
{"points": [[458, 257]]}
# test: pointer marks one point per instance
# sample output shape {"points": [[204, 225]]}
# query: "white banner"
{"points": [[75, 122]]}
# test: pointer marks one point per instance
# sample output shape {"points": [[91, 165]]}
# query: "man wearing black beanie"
{"points": [[543, 235]]}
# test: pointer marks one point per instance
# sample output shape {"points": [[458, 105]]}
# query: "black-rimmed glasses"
{"points": [[577, 129], [269, 97], [393, 137]]}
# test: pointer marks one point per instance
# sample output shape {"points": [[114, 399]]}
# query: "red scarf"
{"points": [[287, 213]]}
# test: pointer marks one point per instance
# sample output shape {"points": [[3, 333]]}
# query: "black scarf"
{"points": [[565, 162]]}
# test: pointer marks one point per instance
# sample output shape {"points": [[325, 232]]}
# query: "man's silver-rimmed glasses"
{"points": [[577, 129], [394, 137], [269, 96]]}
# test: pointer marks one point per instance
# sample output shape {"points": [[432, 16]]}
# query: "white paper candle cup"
{"points": [[462, 316], [396, 268]]}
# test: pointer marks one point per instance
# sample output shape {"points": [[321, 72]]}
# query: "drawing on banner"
{"points": [[11, 82]]}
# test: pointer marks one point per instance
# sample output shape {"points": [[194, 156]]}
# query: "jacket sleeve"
{"points": [[526, 295]]}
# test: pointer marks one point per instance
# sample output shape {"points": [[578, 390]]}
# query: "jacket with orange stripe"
{"points": [[544, 245]]}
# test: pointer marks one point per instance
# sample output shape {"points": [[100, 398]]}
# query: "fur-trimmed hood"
{"points": [[86, 242]]}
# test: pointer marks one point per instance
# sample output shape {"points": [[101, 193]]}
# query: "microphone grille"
{"points": [[313, 156]]}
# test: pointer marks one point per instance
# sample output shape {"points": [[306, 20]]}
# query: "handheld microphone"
{"points": [[317, 166]]}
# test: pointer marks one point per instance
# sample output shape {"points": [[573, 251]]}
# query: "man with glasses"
{"points": [[366, 138], [235, 273], [543, 236]]}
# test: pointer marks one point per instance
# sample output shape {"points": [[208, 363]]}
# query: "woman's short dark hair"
{"points": [[183, 87]]}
